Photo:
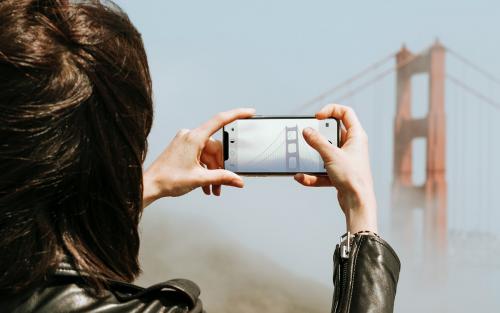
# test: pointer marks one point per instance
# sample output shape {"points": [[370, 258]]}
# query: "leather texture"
{"points": [[66, 293], [366, 281]]}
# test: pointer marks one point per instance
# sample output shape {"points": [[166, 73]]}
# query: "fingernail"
{"points": [[308, 131]]}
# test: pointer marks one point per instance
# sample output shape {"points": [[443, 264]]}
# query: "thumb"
{"points": [[222, 177], [320, 144]]}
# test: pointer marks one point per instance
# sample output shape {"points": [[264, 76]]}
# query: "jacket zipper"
{"points": [[343, 282], [345, 254]]}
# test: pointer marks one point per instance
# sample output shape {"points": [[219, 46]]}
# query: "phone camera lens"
{"points": [[232, 129], [327, 124]]}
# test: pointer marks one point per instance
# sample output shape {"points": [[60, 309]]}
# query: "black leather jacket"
{"points": [[364, 282]]}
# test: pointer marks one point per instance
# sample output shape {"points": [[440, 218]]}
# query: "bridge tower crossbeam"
{"points": [[432, 195], [292, 148]]}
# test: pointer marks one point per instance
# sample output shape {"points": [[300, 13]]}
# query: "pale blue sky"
{"points": [[208, 56]]}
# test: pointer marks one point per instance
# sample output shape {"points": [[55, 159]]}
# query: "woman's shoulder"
{"points": [[67, 292]]}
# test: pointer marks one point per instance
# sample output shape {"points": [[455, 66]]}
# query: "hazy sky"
{"points": [[208, 56]]}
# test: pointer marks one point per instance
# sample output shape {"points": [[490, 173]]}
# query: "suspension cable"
{"points": [[347, 82], [366, 84], [473, 91], [471, 64]]}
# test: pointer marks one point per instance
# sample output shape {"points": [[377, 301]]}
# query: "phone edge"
{"points": [[261, 174]]}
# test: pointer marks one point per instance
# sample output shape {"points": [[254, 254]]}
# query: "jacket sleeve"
{"points": [[366, 280]]}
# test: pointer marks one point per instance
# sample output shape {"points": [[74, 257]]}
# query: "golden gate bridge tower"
{"points": [[431, 196], [292, 148], [434, 214]]}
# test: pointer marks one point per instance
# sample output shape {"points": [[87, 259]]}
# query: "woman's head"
{"points": [[75, 111]]}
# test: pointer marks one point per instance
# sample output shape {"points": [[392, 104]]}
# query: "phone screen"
{"points": [[268, 145]]}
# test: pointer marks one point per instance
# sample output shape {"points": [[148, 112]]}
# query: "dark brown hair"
{"points": [[75, 111]]}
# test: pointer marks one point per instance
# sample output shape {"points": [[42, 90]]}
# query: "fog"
{"points": [[232, 279], [268, 247]]}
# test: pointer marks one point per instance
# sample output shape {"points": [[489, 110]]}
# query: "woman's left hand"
{"points": [[193, 159]]}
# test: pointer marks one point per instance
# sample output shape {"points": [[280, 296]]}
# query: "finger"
{"points": [[182, 132], [215, 148], [212, 164], [343, 113], [313, 181], [221, 177], [216, 190], [320, 144], [223, 118], [209, 160], [206, 190], [343, 135]]}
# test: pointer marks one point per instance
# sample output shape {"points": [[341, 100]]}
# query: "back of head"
{"points": [[75, 111]]}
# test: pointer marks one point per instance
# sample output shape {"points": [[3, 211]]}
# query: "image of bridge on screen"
{"points": [[274, 146]]}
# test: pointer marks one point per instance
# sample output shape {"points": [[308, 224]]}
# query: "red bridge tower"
{"points": [[432, 195]]}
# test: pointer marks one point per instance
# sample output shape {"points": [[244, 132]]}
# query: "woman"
{"points": [[76, 109]]}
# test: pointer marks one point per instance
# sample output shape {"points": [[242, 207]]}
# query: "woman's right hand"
{"points": [[193, 159], [348, 168]]}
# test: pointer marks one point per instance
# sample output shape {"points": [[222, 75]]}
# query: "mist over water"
{"points": [[274, 56], [232, 279], [461, 276], [236, 279]]}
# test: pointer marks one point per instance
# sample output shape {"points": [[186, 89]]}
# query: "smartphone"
{"points": [[274, 145]]}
